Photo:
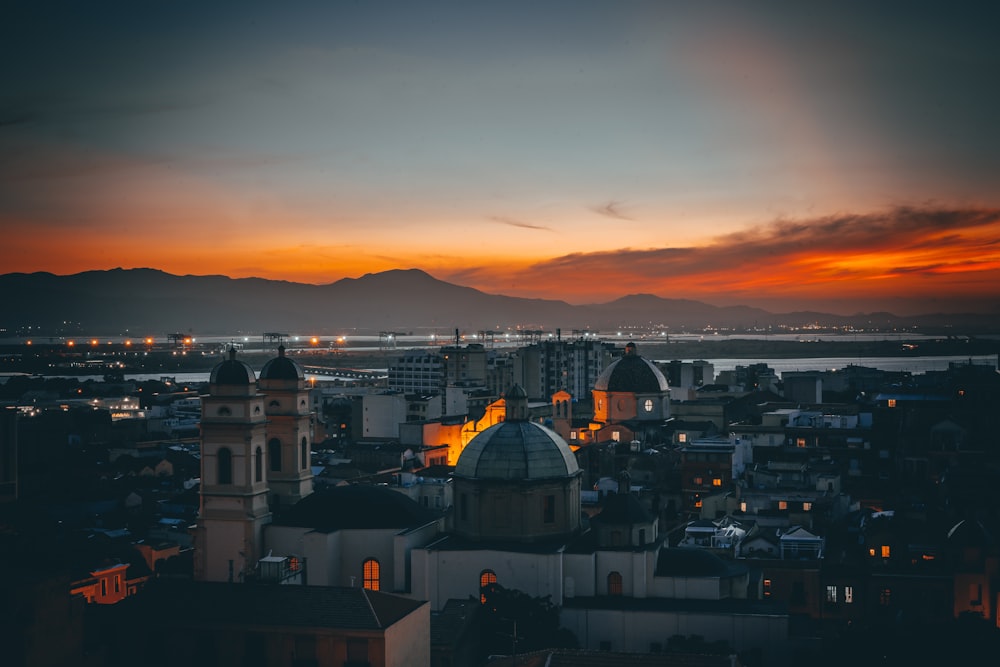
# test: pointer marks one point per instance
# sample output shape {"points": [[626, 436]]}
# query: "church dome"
{"points": [[517, 450], [632, 374], [232, 372], [282, 368]]}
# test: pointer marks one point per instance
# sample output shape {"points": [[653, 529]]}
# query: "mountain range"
{"points": [[151, 302]]}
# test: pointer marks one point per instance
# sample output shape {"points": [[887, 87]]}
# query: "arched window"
{"points": [[225, 463], [274, 455], [487, 578], [258, 465], [274, 404], [371, 574], [224, 411], [304, 454], [614, 583]]}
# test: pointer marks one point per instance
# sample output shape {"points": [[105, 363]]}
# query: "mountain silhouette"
{"points": [[143, 301]]}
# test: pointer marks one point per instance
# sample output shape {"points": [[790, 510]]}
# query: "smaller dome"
{"points": [[282, 368], [632, 374], [517, 450], [232, 371]]}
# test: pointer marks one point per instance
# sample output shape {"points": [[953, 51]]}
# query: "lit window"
{"points": [[572, 435], [831, 593], [648, 405], [800, 442], [616, 436], [615, 583], [486, 578], [743, 506], [682, 437], [697, 503], [848, 594], [871, 552], [892, 402], [885, 551], [371, 574], [767, 588], [698, 481], [717, 481], [782, 505], [806, 507]]}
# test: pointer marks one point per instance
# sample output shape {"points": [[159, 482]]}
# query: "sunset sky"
{"points": [[839, 156]]}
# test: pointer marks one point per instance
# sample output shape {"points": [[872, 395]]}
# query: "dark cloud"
{"points": [[518, 223], [611, 209]]}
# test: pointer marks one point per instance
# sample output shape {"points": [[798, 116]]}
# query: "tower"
{"points": [[289, 430], [234, 486]]}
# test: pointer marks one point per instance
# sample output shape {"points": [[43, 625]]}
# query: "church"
{"points": [[516, 521]]}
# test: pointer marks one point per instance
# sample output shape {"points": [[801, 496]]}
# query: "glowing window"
{"points": [[782, 505], [572, 435], [486, 579], [371, 574], [885, 551], [848, 594], [616, 436], [698, 481], [767, 588], [717, 481], [682, 437], [800, 442], [831, 593], [648, 405], [892, 402], [614, 583], [807, 507]]}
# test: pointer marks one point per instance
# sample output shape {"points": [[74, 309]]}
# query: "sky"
{"points": [[836, 156]]}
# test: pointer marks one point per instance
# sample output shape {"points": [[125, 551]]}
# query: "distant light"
{"points": [[29, 342], [93, 342], [128, 343], [245, 339], [71, 343], [314, 340]]}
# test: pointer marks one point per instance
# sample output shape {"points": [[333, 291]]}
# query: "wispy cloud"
{"points": [[611, 209], [518, 223]]}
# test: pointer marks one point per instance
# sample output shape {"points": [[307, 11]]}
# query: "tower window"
{"points": [[370, 570], [614, 583], [225, 463], [258, 465], [648, 405], [304, 453], [274, 455]]}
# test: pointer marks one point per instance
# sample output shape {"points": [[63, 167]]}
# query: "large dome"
{"points": [[632, 374], [517, 450], [232, 371], [282, 368]]}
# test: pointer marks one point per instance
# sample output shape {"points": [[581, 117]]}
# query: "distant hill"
{"points": [[140, 301]]}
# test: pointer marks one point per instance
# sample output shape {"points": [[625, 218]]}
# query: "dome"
{"points": [[632, 374], [232, 371], [282, 368], [517, 450]]}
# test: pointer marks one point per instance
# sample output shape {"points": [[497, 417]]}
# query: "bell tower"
{"points": [[289, 430], [234, 484]]}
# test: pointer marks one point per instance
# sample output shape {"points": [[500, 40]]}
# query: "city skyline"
{"points": [[839, 158]]}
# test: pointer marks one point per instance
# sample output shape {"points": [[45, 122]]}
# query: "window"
{"points": [[225, 462], [118, 583], [975, 595], [486, 579], [885, 597], [885, 551], [304, 454], [782, 505], [698, 481], [848, 594], [104, 587], [717, 481], [807, 507], [743, 506], [258, 465], [800, 442], [224, 411], [767, 588], [831, 593], [370, 571], [892, 402], [682, 437], [648, 405], [572, 435], [274, 455], [614, 583], [549, 509], [616, 436]]}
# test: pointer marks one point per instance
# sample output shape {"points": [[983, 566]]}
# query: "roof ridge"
{"points": [[371, 607]]}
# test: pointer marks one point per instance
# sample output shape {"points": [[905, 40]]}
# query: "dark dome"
{"points": [[232, 371], [631, 374], [517, 450], [282, 368]]}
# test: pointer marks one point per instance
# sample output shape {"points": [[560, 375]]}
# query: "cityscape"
{"points": [[440, 334]]}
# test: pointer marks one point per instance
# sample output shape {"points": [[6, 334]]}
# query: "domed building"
{"points": [[517, 480], [631, 388]]}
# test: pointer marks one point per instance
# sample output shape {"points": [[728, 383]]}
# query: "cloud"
{"points": [[518, 223], [611, 209]]}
